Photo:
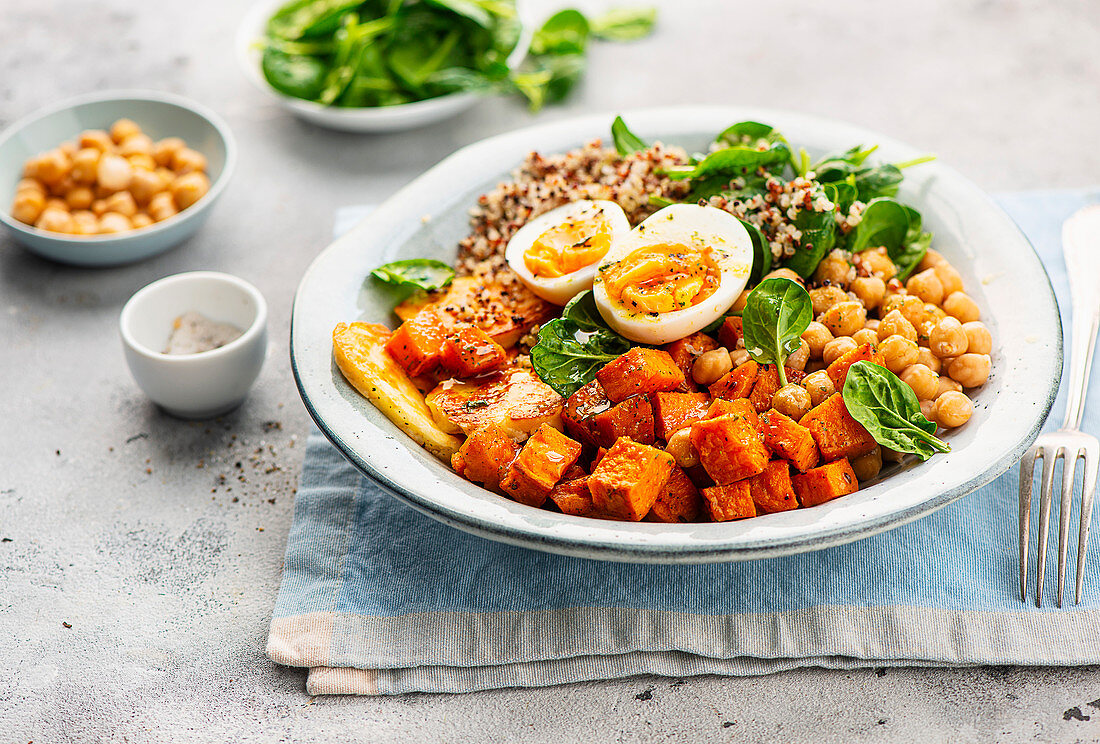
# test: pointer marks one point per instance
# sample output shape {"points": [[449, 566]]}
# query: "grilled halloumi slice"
{"points": [[515, 399]]}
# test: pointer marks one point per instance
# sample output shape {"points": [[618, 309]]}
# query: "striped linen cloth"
{"points": [[378, 599]]}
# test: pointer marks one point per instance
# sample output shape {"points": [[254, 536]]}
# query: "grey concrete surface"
{"points": [[139, 562]]}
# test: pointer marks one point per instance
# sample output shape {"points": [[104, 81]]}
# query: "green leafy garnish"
{"points": [[761, 253], [889, 410], [626, 142], [421, 273], [776, 315], [572, 348], [624, 24], [565, 32], [896, 227]]}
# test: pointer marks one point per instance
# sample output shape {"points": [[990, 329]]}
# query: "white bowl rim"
{"points": [[259, 323], [216, 186]]}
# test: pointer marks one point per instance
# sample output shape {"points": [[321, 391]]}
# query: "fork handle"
{"points": [[1081, 248]]}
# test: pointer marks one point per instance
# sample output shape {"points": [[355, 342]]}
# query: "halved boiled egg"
{"points": [[674, 274], [556, 253]]}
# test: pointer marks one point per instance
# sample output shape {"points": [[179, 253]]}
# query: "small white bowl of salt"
{"points": [[195, 342]]}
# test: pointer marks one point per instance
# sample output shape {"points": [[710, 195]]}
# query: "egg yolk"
{"points": [[569, 246], [662, 278]]}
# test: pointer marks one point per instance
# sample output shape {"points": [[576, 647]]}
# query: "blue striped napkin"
{"points": [[378, 599]]}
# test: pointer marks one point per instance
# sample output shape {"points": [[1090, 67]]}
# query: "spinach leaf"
{"points": [[842, 193], [885, 222], [583, 311], [761, 253], [565, 70], [776, 315], [572, 348], [748, 132], [626, 141], [565, 32], [294, 74], [882, 180], [309, 18], [624, 24], [889, 410], [912, 250], [818, 238], [732, 161], [422, 273], [468, 9], [840, 166]]}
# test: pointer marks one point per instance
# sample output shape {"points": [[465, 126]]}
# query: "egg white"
{"points": [[560, 289], [689, 225]]}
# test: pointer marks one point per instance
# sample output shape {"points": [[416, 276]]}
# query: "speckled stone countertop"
{"points": [[140, 555]]}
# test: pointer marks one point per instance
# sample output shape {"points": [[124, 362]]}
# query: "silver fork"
{"points": [[1081, 247]]}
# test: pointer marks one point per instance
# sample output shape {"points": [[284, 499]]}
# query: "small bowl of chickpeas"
{"points": [[111, 178]]}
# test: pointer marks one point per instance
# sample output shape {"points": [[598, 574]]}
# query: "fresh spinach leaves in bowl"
{"points": [[357, 54]]}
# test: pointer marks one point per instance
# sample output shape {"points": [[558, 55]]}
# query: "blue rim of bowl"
{"points": [[216, 186], [594, 548]]}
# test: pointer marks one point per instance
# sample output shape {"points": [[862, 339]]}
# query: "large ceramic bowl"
{"points": [[159, 115], [374, 119], [981, 241]]}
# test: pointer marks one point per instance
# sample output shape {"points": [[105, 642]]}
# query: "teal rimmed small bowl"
{"points": [[159, 115]]}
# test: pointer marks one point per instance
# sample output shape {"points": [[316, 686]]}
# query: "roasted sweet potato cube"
{"points": [[825, 483], [674, 411], [632, 418], [485, 455], [729, 448], [772, 490], [741, 408], [580, 407], [600, 452], [638, 372], [788, 439], [538, 467], [629, 478], [468, 351], [417, 343], [730, 332], [837, 434], [736, 383], [767, 385], [838, 370], [573, 497], [729, 502], [686, 350], [678, 501]]}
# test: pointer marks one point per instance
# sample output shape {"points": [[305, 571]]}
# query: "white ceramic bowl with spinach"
{"points": [[978, 238]]}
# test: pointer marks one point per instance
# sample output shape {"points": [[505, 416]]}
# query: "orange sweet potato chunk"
{"points": [[538, 467], [674, 411], [632, 418], [686, 350], [772, 490], [729, 502], [767, 385], [469, 351], [485, 455], [572, 496], [730, 332], [626, 483], [638, 372], [837, 434], [788, 439], [729, 448], [678, 501], [825, 483], [838, 370], [418, 342], [580, 408], [740, 408], [736, 383]]}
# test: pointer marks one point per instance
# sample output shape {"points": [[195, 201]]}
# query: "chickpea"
{"points": [[871, 324], [877, 263], [835, 269], [738, 304], [926, 408], [63, 187], [142, 162], [30, 184], [166, 176], [166, 148], [926, 285], [711, 366], [979, 340], [113, 222], [792, 400], [948, 339], [144, 185], [161, 207], [80, 197], [949, 277], [865, 336], [55, 220], [96, 138], [85, 223], [928, 359], [970, 370], [870, 290], [868, 466], [122, 203], [816, 336], [895, 324], [952, 409], [844, 318], [99, 206], [679, 446], [837, 348], [54, 203], [824, 298], [891, 302], [924, 331], [931, 260], [141, 219], [934, 311], [961, 306], [912, 308], [187, 160], [84, 165], [924, 381], [946, 384], [114, 173], [52, 167], [136, 144], [815, 365], [897, 353], [889, 455], [819, 385], [28, 206], [784, 274], [123, 129], [68, 147], [739, 357]]}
